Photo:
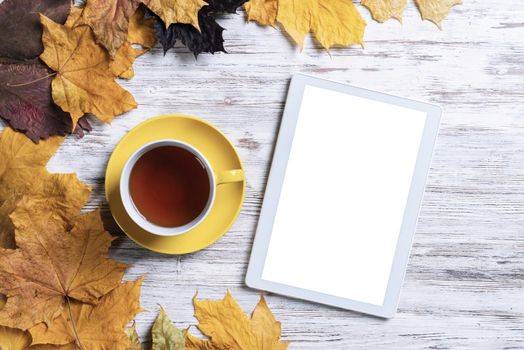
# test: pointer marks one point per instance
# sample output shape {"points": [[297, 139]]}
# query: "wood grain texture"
{"points": [[464, 287]]}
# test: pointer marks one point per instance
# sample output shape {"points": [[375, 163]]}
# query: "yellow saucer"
{"points": [[220, 153]]}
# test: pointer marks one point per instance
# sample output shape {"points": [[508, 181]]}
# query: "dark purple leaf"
{"points": [[82, 126], [209, 39], [26, 102], [20, 28]]}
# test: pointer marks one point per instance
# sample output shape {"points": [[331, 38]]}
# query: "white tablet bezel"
{"points": [[276, 178]]}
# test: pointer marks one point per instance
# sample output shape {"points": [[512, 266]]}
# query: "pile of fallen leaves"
{"points": [[53, 71], [225, 325], [60, 289], [59, 63]]}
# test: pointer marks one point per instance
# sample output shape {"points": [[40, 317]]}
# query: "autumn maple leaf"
{"points": [[58, 259], [85, 74], [23, 173], [230, 329], [333, 22]]}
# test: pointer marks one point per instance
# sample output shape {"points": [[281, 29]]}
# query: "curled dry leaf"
{"points": [[85, 75], [28, 107], [58, 259], [263, 12], [23, 173], [333, 22], [228, 328], [109, 20], [100, 326], [436, 10], [166, 336], [382, 10], [176, 11], [20, 28]]}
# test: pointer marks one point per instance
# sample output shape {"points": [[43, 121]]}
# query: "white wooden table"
{"points": [[464, 285]]}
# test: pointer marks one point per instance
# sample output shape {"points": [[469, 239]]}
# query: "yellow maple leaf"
{"points": [[382, 10], [100, 326], [109, 20], [140, 32], [436, 10], [333, 22], [57, 259], [263, 12], [229, 328], [85, 77], [177, 11], [23, 173]]}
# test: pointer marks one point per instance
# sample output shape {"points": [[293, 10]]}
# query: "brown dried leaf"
{"points": [[109, 20], [58, 259]]}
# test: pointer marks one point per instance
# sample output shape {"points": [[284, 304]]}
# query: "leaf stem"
{"points": [[32, 81], [77, 338]]}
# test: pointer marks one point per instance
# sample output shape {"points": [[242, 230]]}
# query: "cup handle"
{"points": [[228, 176]]}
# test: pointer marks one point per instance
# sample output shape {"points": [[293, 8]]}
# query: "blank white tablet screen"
{"points": [[344, 193]]}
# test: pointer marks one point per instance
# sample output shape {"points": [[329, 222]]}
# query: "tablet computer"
{"points": [[343, 196]]}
